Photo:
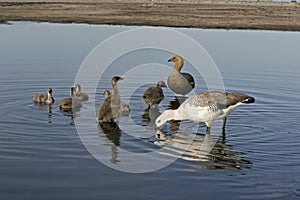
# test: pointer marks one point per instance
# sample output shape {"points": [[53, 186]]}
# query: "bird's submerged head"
{"points": [[249, 99], [163, 118]]}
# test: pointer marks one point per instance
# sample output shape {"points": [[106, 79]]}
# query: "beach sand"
{"points": [[177, 13]]}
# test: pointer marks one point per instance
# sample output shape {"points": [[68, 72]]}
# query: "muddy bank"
{"points": [[178, 13]]}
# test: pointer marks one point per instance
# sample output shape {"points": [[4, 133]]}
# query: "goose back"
{"points": [[44, 98]]}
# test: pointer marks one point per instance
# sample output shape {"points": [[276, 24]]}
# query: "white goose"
{"points": [[206, 107]]}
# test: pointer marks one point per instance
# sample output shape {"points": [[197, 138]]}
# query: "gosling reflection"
{"points": [[47, 107], [201, 148], [49, 110], [113, 133], [150, 114]]}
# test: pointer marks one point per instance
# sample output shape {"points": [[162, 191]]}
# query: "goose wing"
{"points": [[153, 93], [105, 112], [219, 100], [189, 78]]}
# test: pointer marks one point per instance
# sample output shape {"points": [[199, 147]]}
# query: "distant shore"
{"points": [[178, 13]]}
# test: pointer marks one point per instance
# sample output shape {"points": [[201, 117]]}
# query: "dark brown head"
{"points": [[249, 99], [115, 80], [72, 91], [50, 90]]}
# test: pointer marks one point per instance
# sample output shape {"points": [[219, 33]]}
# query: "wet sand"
{"points": [[178, 13]]}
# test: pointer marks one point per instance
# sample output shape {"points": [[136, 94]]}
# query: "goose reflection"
{"points": [[150, 114], [49, 110], [206, 150], [113, 133], [47, 107]]}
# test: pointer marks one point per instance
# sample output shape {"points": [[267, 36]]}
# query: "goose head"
{"points": [[49, 90], [161, 84], [115, 80], [77, 88], [72, 91], [106, 93], [178, 60]]}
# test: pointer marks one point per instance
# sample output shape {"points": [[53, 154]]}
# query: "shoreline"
{"points": [[139, 26], [277, 16]]}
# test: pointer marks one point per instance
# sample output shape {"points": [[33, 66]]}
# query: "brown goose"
{"points": [[70, 103], [206, 107], [117, 106], [105, 113], [154, 95], [178, 82], [44, 98], [80, 95]]}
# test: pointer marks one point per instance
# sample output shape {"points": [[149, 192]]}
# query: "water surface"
{"points": [[42, 157]]}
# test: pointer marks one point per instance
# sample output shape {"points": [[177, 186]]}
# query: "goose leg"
{"points": [[208, 125], [224, 124], [207, 129]]}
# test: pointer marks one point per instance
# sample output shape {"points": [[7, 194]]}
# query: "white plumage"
{"points": [[206, 107]]}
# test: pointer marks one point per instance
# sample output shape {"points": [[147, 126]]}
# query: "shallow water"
{"points": [[42, 156]]}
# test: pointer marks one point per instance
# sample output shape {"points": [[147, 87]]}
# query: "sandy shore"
{"points": [[178, 13]]}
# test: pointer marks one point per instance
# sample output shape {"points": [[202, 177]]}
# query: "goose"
{"points": [[178, 82], [206, 107], [80, 95], [70, 103], [154, 95], [44, 98], [118, 106], [105, 112]]}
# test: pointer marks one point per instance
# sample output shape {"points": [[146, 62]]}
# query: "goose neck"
{"points": [[49, 96], [173, 115], [178, 65]]}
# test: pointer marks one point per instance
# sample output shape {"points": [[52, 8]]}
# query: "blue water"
{"points": [[42, 156]]}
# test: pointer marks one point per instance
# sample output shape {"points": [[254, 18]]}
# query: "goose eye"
{"points": [[159, 121]]}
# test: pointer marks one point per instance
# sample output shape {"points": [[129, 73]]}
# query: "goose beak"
{"points": [[170, 60]]}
